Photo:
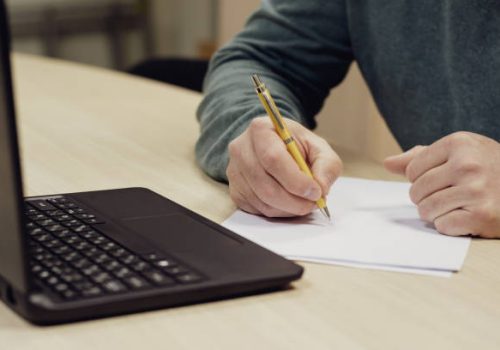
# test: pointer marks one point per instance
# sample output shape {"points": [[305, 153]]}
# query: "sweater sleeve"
{"points": [[300, 48]]}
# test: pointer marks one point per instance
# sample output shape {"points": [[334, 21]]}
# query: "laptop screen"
{"points": [[12, 262]]}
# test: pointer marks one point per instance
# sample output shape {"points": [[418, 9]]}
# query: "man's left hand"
{"points": [[455, 183]]}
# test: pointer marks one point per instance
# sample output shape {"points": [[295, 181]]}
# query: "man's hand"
{"points": [[264, 178], [455, 183]]}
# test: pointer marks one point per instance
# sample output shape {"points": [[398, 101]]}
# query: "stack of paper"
{"points": [[374, 225]]}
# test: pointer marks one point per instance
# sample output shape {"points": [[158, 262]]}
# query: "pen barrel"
{"points": [[280, 127]]}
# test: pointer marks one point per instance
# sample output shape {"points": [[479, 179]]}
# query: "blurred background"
{"points": [[120, 34]]}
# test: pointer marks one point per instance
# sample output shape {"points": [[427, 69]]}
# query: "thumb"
{"points": [[397, 164]]}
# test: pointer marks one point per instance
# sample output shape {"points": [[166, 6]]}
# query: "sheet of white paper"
{"points": [[437, 273], [373, 222]]}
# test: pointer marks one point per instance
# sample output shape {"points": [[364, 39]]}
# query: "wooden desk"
{"points": [[85, 128]]}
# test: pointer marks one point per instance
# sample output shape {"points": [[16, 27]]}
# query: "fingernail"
{"points": [[312, 194]]}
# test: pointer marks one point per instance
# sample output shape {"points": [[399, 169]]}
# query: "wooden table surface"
{"points": [[84, 128]]}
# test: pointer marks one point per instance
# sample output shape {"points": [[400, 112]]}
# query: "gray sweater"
{"points": [[432, 66]]}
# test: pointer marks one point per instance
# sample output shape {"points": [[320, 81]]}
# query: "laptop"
{"points": [[78, 256]]}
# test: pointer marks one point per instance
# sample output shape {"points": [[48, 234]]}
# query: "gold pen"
{"points": [[280, 126]]}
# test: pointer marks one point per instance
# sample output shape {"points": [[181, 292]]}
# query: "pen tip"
{"points": [[326, 213]]}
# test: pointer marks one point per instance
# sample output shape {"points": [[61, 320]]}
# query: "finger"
{"points": [[430, 157], [397, 164], [442, 202], [247, 200], [267, 189], [455, 223], [274, 158], [434, 180], [326, 165]]}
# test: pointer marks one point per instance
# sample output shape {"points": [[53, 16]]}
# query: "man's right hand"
{"points": [[264, 178]]}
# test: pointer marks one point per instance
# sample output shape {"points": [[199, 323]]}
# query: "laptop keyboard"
{"points": [[70, 256]]}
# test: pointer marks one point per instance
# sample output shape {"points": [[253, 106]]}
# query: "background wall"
{"points": [[349, 118], [194, 28], [178, 27]]}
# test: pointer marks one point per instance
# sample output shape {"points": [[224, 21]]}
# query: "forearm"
{"points": [[297, 60]]}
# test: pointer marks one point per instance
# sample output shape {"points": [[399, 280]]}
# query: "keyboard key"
{"points": [[158, 278], [141, 266], [85, 216], [46, 222], [164, 263], [42, 205], [92, 292], [54, 243], [64, 249], [30, 211], [75, 211], [72, 223], [93, 221], [122, 272], [90, 234], [154, 256], [54, 228], [30, 225], [63, 233], [176, 270], [61, 287], [63, 217], [114, 286], [37, 217], [189, 278], [72, 277], [72, 256], [44, 274], [102, 258], [56, 212], [67, 205], [58, 200], [52, 280], [129, 259], [35, 231], [79, 228], [136, 282], [113, 265], [82, 246], [101, 277], [91, 270], [118, 253], [68, 294], [109, 246], [81, 263]]}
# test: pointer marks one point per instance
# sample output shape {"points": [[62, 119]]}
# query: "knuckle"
{"points": [[457, 139], [270, 158], [471, 166], [258, 124], [234, 148], [476, 189]]}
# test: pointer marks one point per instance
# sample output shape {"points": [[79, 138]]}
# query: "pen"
{"points": [[280, 126]]}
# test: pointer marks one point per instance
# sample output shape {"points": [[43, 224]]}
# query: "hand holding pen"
{"points": [[265, 179]]}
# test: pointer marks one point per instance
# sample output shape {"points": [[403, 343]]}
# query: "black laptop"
{"points": [[86, 255]]}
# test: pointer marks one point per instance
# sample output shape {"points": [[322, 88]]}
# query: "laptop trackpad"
{"points": [[178, 233]]}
